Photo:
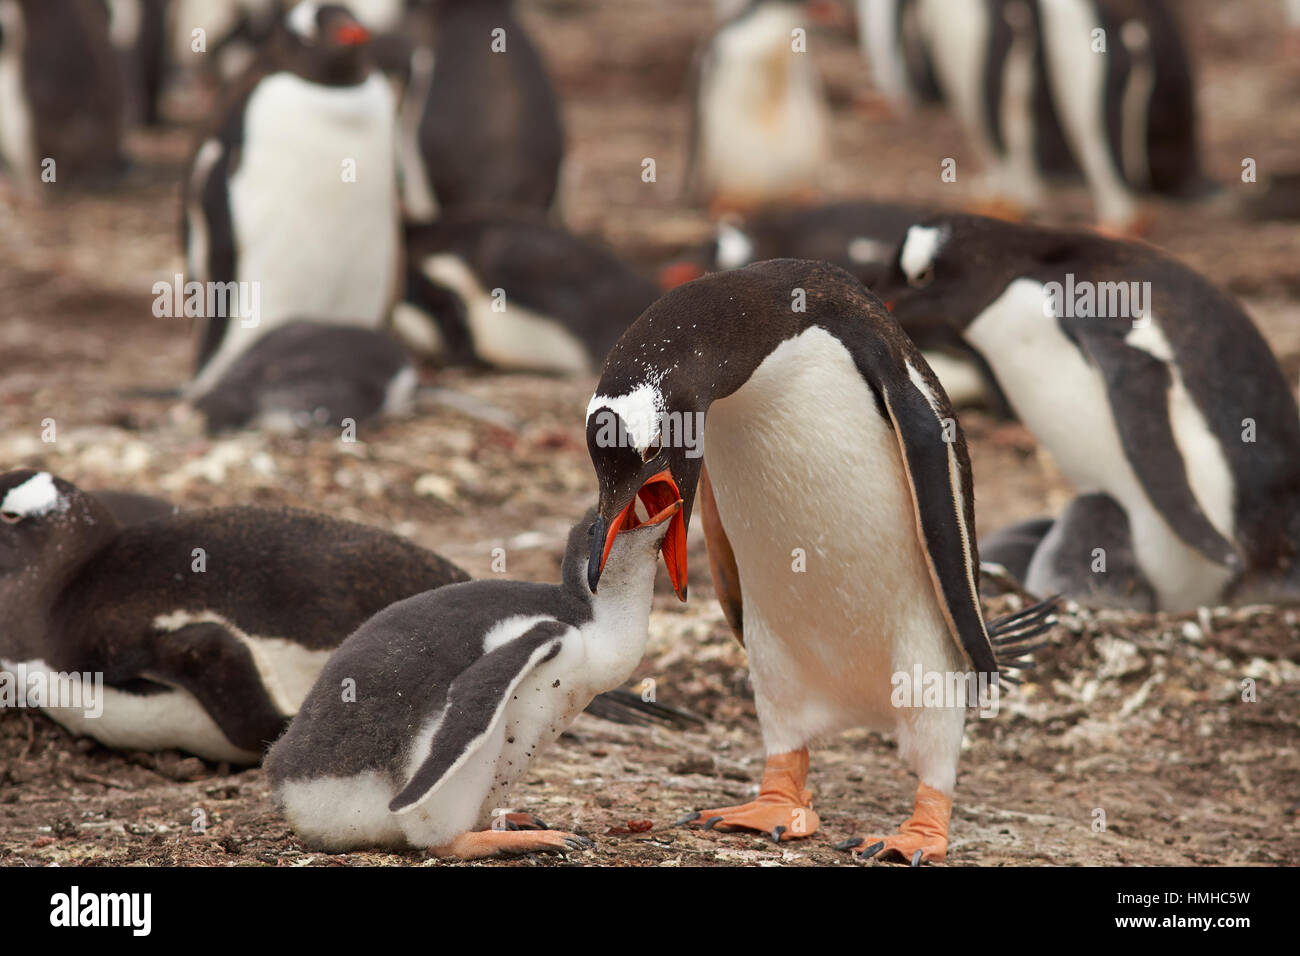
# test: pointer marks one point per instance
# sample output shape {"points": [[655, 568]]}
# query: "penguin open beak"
{"points": [[351, 34], [663, 502]]}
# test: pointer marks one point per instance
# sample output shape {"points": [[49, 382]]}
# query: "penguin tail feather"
{"points": [[1013, 635], [625, 707]]}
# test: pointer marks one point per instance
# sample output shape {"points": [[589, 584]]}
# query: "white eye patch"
{"points": [[920, 248], [35, 496], [302, 19]]}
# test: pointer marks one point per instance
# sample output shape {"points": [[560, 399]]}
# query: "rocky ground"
{"points": [[1178, 733]]}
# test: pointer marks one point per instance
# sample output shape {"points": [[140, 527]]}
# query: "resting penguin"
{"points": [[839, 521], [510, 290], [293, 195], [1143, 381], [484, 116], [312, 373], [61, 95], [457, 691], [760, 124]]}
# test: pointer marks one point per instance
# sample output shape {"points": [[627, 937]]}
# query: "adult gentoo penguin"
{"points": [[293, 194], [208, 626], [484, 117], [456, 692], [508, 289], [61, 95], [840, 522], [760, 123], [1143, 381]]}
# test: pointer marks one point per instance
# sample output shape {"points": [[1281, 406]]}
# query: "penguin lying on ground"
{"points": [[1145, 383], [859, 236], [61, 95], [479, 115], [209, 626], [838, 509], [510, 290], [312, 373], [456, 691], [760, 124], [293, 194]]}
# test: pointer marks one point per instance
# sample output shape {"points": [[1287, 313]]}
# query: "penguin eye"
{"points": [[653, 448], [10, 517], [923, 277]]}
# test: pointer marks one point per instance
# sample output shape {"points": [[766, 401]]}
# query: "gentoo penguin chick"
{"points": [[291, 203], [456, 692], [760, 123], [208, 626], [308, 374], [837, 506], [482, 115], [510, 290], [61, 96], [1143, 381]]}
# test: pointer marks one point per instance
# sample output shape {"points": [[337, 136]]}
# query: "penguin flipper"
{"points": [[1138, 379], [722, 559], [210, 661], [476, 701], [938, 476]]}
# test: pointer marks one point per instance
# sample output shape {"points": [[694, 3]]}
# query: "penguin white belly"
{"points": [[763, 123], [469, 798], [313, 205], [1062, 399], [823, 643], [169, 719], [507, 334], [17, 133]]}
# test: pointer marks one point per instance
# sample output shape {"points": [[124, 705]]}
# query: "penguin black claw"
{"points": [[872, 850], [776, 833], [711, 822], [916, 857], [848, 844], [579, 843], [687, 818]]}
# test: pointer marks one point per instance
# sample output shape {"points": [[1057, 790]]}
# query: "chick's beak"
{"points": [[663, 502]]}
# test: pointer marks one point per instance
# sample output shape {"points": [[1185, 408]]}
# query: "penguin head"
{"points": [[325, 43], [632, 552], [47, 526], [949, 269], [647, 478]]}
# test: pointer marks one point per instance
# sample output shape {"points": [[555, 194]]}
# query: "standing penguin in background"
{"points": [[138, 31], [760, 125], [482, 116], [1145, 383], [294, 195], [891, 41], [509, 289], [1128, 111], [458, 690], [838, 510], [61, 96]]}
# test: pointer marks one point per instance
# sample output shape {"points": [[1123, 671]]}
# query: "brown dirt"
{"points": [[1139, 716]]}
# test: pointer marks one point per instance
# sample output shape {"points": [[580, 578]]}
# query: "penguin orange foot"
{"points": [[482, 843], [783, 807], [922, 839]]}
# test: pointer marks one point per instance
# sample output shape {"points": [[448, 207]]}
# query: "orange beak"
{"points": [[351, 34], [663, 502]]}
